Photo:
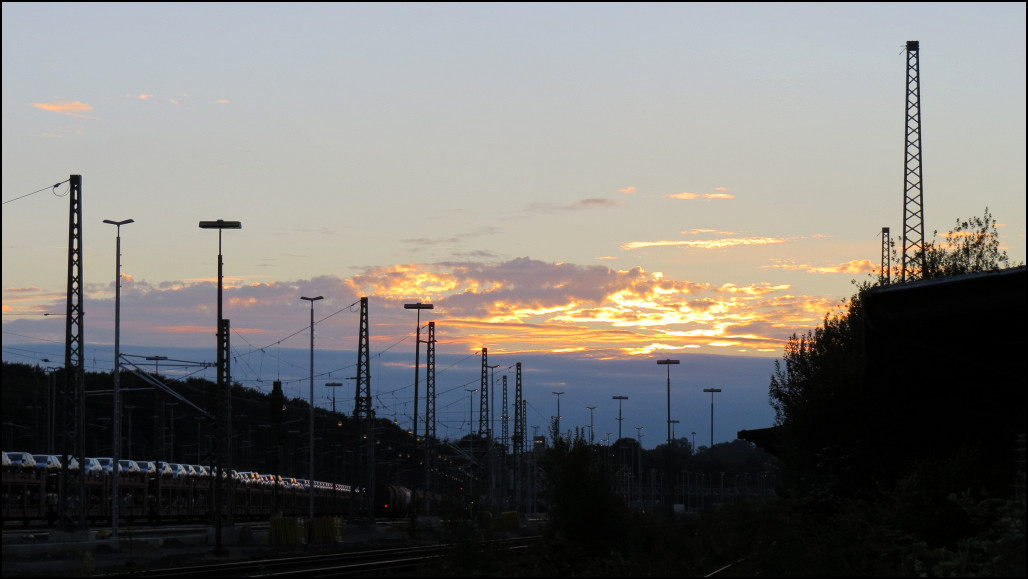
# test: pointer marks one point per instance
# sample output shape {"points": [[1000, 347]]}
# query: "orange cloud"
{"points": [[687, 196], [141, 97], [70, 108], [517, 306], [695, 231], [627, 190]]}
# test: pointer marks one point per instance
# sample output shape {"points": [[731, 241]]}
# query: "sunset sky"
{"points": [[591, 187]]}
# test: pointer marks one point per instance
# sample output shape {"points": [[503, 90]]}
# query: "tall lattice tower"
{"points": [[483, 397], [519, 417], [504, 432], [73, 398], [519, 436], [912, 260], [429, 413], [430, 383], [363, 414], [884, 275]]}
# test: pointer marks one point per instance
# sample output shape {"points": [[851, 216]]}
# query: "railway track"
{"points": [[395, 561]]}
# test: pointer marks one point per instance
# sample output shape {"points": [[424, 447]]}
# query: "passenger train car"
{"points": [[168, 493]]}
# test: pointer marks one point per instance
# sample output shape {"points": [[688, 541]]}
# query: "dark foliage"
{"points": [[584, 509]]}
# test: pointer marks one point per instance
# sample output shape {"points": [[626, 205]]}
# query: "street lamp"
{"points": [[311, 461], [674, 446], [156, 364], [171, 431], [471, 412], [591, 408], [492, 404], [414, 431], [620, 399], [116, 447], [712, 391], [558, 412], [223, 456], [671, 468], [333, 386]]}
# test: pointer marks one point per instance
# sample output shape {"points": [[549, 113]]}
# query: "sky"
{"points": [[582, 188]]}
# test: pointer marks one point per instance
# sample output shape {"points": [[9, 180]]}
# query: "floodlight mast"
{"points": [[414, 431], [223, 456], [310, 485], [671, 468], [116, 426]]}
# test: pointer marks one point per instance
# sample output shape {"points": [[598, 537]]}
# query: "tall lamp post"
{"points": [[712, 391], [674, 447], [414, 431], [223, 456], [558, 412], [310, 480], [116, 450], [671, 467], [620, 399], [591, 408], [471, 437]]}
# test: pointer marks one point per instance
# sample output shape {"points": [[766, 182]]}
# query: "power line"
{"points": [[52, 188]]}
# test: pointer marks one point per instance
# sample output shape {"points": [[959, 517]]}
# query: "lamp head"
{"points": [[221, 224]]}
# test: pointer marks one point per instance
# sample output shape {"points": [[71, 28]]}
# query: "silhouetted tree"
{"points": [[816, 389], [584, 510], [972, 246]]}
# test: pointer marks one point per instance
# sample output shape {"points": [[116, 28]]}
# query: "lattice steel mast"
{"points": [[363, 414], [912, 260], [483, 397], [74, 395], [519, 436], [429, 413], [885, 275]]}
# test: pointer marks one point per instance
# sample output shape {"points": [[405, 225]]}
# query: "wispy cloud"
{"points": [[850, 267], [141, 96], [589, 203], [627, 190], [703, 243], [70, 108], [687, 196], [714, 231]]}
